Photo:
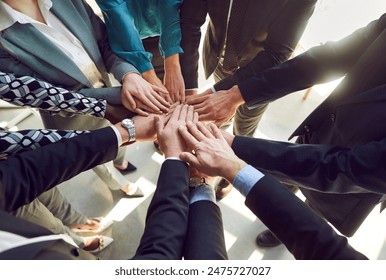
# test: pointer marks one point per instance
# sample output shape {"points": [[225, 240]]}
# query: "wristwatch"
{"points": [[129, 125], [197, 181]]}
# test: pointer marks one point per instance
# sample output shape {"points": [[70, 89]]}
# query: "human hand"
{"points": [[169, 140], [219, 107], [173, 80], [211, 153], [136, 90], [151, 77]]}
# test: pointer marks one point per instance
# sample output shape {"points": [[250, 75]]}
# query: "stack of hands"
{"points": [[144, 98], [181, 135]]}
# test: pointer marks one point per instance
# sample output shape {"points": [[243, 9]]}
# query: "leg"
{"points": [[61, 208], [246, 120]]}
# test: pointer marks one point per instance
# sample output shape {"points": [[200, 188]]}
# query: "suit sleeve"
{"points": [[167, 215], [318, 65], [205, 236], [192, 17], [323, 168], [25, 176], [283, 37], [301, 230]]}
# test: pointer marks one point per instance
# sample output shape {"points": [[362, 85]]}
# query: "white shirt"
{"points": [[58, 34]]}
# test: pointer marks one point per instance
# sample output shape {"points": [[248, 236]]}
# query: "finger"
{"points": [[193, 129], [182, 96], [184, 112], [159, 125], [131, 101], [176, 113], [196, 99], [205, 116], [158, 101], [141, 112], [190, 158], [195, 117], [190, 114], [204, 130], [201, 106], [216, 131], [188, 138], [159, 89], [147, 109], [162, 100]]}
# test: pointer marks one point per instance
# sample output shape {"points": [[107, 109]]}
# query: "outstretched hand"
{"points": [[218, 107], [211, 153], [169, 140], [141, 97]]}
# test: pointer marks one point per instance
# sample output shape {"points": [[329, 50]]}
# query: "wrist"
{"points": [[232, 169], [235, 95], [149, 75], [129, 125], [129, 75], [172, 61]]}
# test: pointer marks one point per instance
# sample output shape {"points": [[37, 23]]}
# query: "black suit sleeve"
{"points": [[283, 36], [25, 176], [301, 230], [318, 65], [167, 216], [324, 168], [192, 17], [205, 237]]}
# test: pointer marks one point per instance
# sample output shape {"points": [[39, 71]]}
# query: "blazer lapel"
{"points": [[74, 21], [30, 40]]}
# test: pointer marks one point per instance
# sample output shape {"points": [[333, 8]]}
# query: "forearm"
{"points": [[303, 232], [167, 216], [170, 37], [24, 176], [323, 168], [37, 94], [114, 64], [13, 142], [318, 65]]}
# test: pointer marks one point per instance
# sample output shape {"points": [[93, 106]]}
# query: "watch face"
{"points": [[127, 122]]}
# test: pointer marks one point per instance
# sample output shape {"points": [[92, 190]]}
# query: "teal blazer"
{"points": [[25, 51]]}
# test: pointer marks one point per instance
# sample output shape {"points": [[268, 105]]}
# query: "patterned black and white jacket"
{"points": [[28, 92]]}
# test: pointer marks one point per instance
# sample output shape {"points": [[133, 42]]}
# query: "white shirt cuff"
{"points": [[119, 137]]}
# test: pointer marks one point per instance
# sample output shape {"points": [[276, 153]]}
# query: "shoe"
{"points": [[134, 191], [103, 225], [267, 239], [104, 241], [129, 168], [222, 189]]}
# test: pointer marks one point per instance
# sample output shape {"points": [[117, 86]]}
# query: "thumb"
{"points": [[189, 158]]}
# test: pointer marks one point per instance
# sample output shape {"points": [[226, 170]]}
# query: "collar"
{"points": [[9, 16]]}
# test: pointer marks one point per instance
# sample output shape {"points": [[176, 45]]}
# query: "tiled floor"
{"points": [[88, 193]]}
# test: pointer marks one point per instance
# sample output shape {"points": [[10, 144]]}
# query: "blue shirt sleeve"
{"points": [[246, 179], [124, 38], [170, 37]]}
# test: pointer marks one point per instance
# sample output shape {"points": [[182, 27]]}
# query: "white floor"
{"points": [[92, 197]]}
